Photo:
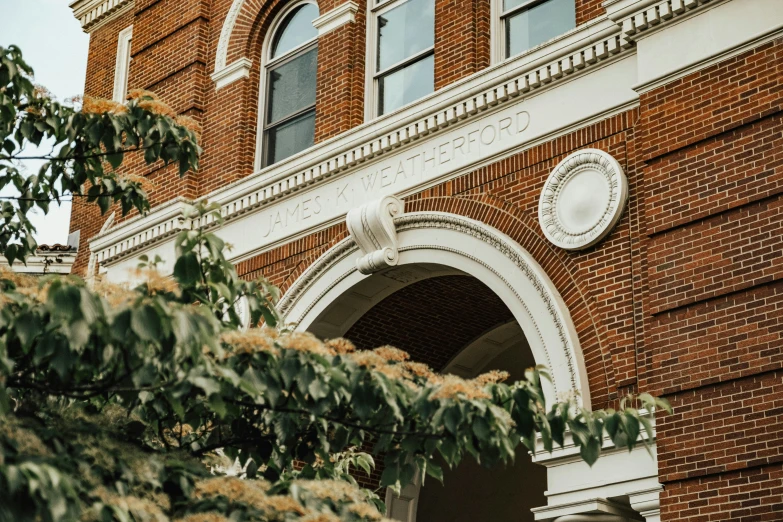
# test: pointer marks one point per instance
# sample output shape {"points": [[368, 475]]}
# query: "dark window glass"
{"points": [[288, 138], [406, 85], [538, 24], [292, 86], [295, 30], [404, 31]]}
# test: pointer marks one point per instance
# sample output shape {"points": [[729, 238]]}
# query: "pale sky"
{"points": [[54, 45]]}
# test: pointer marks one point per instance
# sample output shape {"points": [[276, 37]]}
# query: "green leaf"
{"points": [[145, 322], [28, 325], [590, 451], [187, 270], [481, 428]]}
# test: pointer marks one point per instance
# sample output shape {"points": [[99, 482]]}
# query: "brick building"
{"points": [[594, 186]]}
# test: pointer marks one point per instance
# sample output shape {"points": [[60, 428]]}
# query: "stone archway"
{"points": [[442, 243]]}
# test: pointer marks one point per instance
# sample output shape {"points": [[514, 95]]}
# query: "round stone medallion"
{"points": [[583, 199]]}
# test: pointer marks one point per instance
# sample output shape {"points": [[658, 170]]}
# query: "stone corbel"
{"points": [[647, 503], [372, 228]]}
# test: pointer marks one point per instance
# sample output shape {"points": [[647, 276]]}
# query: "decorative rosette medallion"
{"points": [[583, 199]]}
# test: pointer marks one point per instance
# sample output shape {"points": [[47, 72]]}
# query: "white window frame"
{"points": [[267, 63], [371, 89], [122, 66], [498, 28]]}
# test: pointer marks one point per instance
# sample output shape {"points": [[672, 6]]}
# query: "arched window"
{"points": [[290, 63]]}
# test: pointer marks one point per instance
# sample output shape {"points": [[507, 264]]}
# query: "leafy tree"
{"points": [[152, 403]]}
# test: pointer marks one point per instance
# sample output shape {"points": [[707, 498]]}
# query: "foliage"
{"points": [[87, 148], [140, 403]]}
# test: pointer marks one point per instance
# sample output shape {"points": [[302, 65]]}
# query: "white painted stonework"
{"points": [[583, 199], [337, 17], [469, 247], [372, 228], [418, 155], [95, 13]]}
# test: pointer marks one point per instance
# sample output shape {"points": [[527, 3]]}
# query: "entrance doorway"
{"points": [[454, 323]]}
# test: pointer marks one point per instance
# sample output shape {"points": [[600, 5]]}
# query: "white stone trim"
{"points": [[128, 237], [647, 502], [474, 248], [337, 17], [710, 35], [229, 74], [122, 65], [225, 36], [638, 18], [642, 88], [592, 510], [498, 89], [579, 218], [372, 228], [93, 13], [43, 263]]}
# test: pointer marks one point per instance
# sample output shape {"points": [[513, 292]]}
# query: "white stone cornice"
{"points": [[499, 89], [94, 13], [337, 17], [231, 73], [639, 17]]}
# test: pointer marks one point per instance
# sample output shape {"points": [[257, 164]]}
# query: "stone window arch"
{"points": [[289, 61]]}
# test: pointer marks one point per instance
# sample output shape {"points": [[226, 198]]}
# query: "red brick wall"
{"points": [[685, 296], [742, 496], [711, 143], [340, 90], [432, 319], [462, 39]]}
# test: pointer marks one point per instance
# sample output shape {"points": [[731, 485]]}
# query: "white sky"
{"points": [[54, 45]]}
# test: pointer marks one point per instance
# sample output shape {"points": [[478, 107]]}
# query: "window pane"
{"points": [[295, 30], [404, 31], [539, 24], [292, 86], [510, 4], [290, 137], [406, 85]]}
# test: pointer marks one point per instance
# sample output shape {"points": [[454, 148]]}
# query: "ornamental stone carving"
{"points": [[372, 228], [583, 199]]}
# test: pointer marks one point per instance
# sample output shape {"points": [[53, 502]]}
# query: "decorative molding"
{"points": [[231, 73], [637, 18], [47, 259], [93, 13], [225, 34], [128, 237], [582, 199], [337, 17], [122, 65], [644, 87], [647, 503], [372, 228], [499, 87], [590, 510], [492, 239]]}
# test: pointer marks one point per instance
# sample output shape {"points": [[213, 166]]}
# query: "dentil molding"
{"points": [[94, 13], [590, 47], [372, 228], [583, 199]]}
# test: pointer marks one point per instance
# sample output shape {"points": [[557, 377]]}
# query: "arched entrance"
{"points": [[463, 298], [430, 244]]}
